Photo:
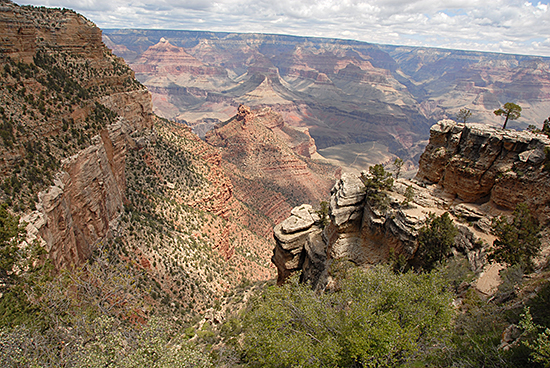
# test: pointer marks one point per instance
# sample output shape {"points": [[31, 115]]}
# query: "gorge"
{"points": [[153, 217]]}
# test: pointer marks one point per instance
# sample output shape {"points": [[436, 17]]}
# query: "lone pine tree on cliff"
{"points": [[510, 110]]}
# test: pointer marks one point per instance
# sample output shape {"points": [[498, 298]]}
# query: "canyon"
{"points": [[158, 238], [348, 94], [88, 166]]}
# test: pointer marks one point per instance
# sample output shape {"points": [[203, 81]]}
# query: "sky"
{"points": [[508, 26]]}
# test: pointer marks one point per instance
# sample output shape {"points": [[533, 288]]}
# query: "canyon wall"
{"points": [[77, 108], [270, 163], [477, 163]]}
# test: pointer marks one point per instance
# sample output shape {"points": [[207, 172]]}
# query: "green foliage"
{"points": [[155, 345], [9, 251], [518, 241], [323, 214], [547, 158], [510, 110], [539, 306], [435, 240], [376, 319], [476, 336], [463, 115], [546, 126], [376, 182], [409, 196], [538, 343], [511, 278]]}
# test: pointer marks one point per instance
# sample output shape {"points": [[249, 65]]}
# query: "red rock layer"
{"points": [[267, 174]]}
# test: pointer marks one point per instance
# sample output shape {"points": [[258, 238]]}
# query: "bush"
{"points": [[435, 240], [518, 241], [376, 319], [376, 182]]}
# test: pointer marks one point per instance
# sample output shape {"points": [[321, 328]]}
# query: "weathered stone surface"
{"points": [[299, 220], [265, 171], [346, 199], [476, 162], [86, 199]]}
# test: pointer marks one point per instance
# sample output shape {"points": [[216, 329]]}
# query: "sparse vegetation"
{"points": [[398, 164], [409, 196], [463, 115], [323, 214]]}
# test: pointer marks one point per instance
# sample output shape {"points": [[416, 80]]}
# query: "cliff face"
{"points": [[26, 29], [83, 205], [358, 231], [477, 163], [346, 92], [472, 171], [67, 130]]}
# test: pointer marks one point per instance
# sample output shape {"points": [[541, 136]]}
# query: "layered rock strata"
{"points": [[478, 163], [83, 105], [262, 157], [472, 171], [358, 231], [83, 205]]}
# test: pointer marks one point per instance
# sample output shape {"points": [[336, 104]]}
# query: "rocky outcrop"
{"points": [[25, 29], [478, 163], [84, 105], [472, 171], [359, 231]]}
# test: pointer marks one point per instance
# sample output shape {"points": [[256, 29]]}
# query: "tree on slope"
{"points": [[435, 240], [510, 110], [518, 241]]}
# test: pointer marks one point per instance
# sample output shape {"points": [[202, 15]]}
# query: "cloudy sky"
{"points": [[508, 26]]}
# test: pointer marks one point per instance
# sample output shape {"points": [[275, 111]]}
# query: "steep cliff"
{"points": [[269, 163], [472, 171], [69, 108], [477, 163]]}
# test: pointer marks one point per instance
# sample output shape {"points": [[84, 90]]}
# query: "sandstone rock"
{"points": [[363, 234], [82, 206], [478, 163], [346, 199], [294, 224], [265, 171]]}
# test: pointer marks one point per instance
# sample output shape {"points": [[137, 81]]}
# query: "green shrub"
{"points": [[435, 240]]}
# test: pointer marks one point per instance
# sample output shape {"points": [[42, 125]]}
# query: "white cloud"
{"points": [[500, 25]]}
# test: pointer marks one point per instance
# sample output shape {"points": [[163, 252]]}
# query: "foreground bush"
{"points": [[377, 318]]}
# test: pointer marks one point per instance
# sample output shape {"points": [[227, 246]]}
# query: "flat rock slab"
{"points": [[294, 224]]}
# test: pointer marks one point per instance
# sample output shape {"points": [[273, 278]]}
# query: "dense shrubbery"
{"points": [[376, 318]]}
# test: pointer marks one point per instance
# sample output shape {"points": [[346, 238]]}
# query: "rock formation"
{"points": [[81, 104], [477, 163], [472, 171], [264, 160], [359, 231], [345, 92]]}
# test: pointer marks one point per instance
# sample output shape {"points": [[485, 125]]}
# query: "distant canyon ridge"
{"points": [[362, 103]]}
